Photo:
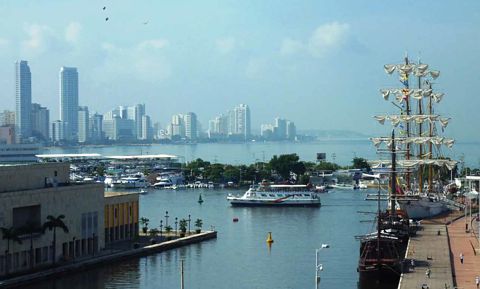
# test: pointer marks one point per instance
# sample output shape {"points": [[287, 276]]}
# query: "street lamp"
{"points": [[176, 222], [318, 266], [166, 219], [161, 228], [189, 220]]}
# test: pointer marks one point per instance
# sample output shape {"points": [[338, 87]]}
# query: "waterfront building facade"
{"points": [[47, 191], [69, 101], [23, 100], [121, 216], [40, 122], [282, 129], [18, 153], [83, 124], [146, 133], [190, 121]]}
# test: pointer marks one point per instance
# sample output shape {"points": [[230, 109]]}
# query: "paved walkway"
{"points": [[429, 250], [466, 243]]}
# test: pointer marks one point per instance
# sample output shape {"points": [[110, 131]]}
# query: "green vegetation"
{"points": [[182, 225], [9, 234], [53, 223], [144, 222], [282, 168], [198, 225]]}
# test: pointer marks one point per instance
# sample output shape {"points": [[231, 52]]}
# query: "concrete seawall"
{"points": [[16, 282]]}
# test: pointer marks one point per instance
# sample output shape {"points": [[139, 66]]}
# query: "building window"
{"points": [[56, 173], [45, 254], [115, 212], [27, 215], [130, 210], [2, 263], [38, 256]]}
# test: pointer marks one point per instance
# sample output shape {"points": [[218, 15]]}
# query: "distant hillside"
{"points": [[332, 133]]}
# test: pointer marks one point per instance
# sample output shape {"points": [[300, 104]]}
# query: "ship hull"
{"points": [[253, 203], [423, 208]]}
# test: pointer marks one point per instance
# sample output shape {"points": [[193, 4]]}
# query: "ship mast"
{"points": [[407, 104], [430, 169], [420, 147], [393, 177]]}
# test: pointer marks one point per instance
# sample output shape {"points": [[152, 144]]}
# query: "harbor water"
{"points": [[240, 258], [338, 151]]}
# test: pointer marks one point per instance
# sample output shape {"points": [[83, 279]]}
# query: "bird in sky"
{"points": [[104, 7], [145, 23], [106, 19]]}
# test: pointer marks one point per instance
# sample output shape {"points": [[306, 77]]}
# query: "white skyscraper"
{"points": [[190, 121], [146, 126], [83, 124], [69, 101], [23, 100], [242, 121]]}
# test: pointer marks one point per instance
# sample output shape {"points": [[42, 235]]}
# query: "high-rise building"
{"points": [[57, 133], [69, 101], [266, 131], [177, 126], [146, 133], [7, 117], [190, 121], [40, 122], [291, 130], [96, 128], [23, 100], [280, 129], [138, 113], [242, 121], [83, 124]]}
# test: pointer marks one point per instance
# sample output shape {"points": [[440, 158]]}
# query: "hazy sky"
{"points": [[318, 63]]}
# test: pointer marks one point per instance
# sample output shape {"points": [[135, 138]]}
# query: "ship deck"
{"points": [[430, 250]]}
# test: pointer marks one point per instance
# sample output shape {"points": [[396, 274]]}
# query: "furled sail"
{"points": [[401, 94], [435, 140], [449, 164], [419, 70], [417, 118]]}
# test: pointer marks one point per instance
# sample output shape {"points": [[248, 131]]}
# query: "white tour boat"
{"points": [[277, 195]]}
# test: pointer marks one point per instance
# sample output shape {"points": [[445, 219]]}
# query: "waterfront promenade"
{"points": [[465, 243], [430, 249], [18, 282]]}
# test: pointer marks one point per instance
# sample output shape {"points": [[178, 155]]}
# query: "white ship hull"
{"points": [[423, 208], [263, 202]]}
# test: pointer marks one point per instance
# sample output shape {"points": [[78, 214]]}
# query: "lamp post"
{"points": [[189, 220], [176, 222], [166, 219], [318, 266], [161, 228]]}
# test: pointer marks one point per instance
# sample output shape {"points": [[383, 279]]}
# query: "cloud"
{"points": [[153, 43], [41, 39], [327, 37], [290, 46], [323, 40], [72, 32], [145, 61], [226, 45]]}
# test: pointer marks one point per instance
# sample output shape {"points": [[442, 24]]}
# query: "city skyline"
{"points": [[275, 63]]}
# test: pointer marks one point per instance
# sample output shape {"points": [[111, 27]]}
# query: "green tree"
{"points": [[198, 225], [360, 163], [31, 229], [231, 173], [284, 164], [183, 226], [9, 234], [53, 223], [144, 222], [327, 166], [215, 173]]}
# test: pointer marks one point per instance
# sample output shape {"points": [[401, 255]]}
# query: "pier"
{"points": [[430, 249]]}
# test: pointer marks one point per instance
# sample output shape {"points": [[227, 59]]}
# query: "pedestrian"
{"points": [[428, 273], [477, 281], [412, 264], [461, 258]]}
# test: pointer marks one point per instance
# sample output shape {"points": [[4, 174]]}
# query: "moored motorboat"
{"points": [[277, 195]]}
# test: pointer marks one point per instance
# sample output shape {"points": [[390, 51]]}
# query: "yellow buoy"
{"points": [[269, 238]]}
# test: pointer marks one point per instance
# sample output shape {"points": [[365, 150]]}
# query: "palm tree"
{"points": [[9, 234], [53, 223], [31, 229]]}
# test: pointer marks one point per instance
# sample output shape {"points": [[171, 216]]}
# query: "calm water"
{"points": [[339, 151], [240, 258]]}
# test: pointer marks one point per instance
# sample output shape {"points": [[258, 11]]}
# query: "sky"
{"points": [[318, 63]]}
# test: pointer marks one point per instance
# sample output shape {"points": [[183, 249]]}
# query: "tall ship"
{"points": [[421, 166], [277, 195]]}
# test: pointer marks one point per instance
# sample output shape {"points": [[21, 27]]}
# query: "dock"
{"points": [[430, 249]]}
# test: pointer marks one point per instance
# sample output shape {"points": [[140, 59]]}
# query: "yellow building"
{"points": [[121, 216]]}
